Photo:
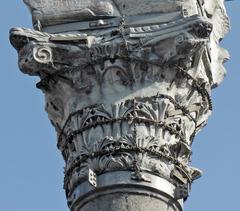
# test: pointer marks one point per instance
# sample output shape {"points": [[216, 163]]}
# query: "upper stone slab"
{"points": [[53, 12]]}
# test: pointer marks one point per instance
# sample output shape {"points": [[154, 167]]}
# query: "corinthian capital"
{"points": [[127, 87]]}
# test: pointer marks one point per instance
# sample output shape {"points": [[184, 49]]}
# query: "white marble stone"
{"points": [[127, 88]]}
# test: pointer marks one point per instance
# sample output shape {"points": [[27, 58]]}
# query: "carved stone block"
{"points": [[127, 89]]}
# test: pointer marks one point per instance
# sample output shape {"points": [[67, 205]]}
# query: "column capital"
{"points": [[126, 93]]}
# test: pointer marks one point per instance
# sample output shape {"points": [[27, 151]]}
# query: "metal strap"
{"points": [[109, 22], [84, 25], [115, 181]]}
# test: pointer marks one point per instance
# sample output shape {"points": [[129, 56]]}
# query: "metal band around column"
{"points": [[112, 182]]}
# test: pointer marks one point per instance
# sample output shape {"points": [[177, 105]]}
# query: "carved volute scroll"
{"points": [[127, 86]]}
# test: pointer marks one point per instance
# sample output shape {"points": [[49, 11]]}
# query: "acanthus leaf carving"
{"points": [[127, 94]]}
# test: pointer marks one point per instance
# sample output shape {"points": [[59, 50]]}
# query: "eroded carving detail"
{"points": [[128, 94]]}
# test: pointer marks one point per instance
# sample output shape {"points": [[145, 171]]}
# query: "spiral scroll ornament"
{"points": [[42, 54]]}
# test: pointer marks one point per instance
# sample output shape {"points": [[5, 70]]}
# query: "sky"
{"points": [[31, 167]]}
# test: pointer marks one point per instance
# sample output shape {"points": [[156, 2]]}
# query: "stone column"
{"points": [[127, 86]]}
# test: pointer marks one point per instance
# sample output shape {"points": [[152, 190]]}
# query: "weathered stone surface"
{"points": [[126, 202], [50, 12], [126, 95]]}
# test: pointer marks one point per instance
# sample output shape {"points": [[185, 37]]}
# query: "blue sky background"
{"points": [[31, 168]]}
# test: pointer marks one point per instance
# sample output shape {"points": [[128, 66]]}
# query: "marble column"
{"points": [[127, 86]]}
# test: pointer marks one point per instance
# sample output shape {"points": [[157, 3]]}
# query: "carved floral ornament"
{"points": [[126, 93]]}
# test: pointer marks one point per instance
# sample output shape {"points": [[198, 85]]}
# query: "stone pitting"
{"points": [[125, 93]]}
